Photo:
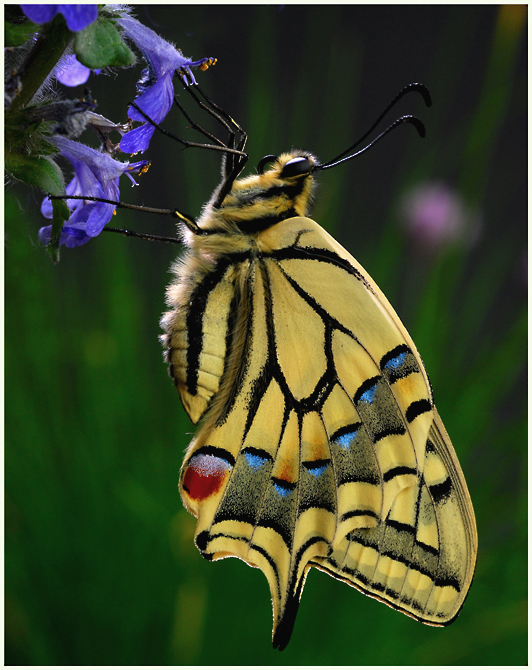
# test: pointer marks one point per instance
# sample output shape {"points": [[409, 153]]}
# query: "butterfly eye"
{"points": [[264, 161], [296, 167]]}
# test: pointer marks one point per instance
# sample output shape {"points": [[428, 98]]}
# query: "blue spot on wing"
{"points": [[345, 440], [395, 363], [282, 490], [369, 395], [255, 461], [318, 470]]}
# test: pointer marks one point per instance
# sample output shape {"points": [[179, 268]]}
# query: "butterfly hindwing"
{"points": [[421, 559]]}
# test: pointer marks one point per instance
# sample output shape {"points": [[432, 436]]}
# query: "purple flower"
{"points": [[435, 215], [77, 17], [96, 175], [155, 86], [71, 72]]}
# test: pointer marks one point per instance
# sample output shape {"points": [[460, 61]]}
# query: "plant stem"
{"points": [[53, 39]]}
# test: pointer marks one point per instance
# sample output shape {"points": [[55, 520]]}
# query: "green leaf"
{"points": [[25, 135], [53, 38], [44, 173], [61, 214], [38, 171], [100, 45], [17, 35]]}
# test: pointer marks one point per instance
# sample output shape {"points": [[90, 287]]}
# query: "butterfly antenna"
{"points": [[418, 125], [420, 88]]}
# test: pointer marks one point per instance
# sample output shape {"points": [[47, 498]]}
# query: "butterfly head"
{"points": [[289, 166], [262, 200]]}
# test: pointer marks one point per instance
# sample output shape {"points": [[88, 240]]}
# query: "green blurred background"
{"points": [[100, 566]]}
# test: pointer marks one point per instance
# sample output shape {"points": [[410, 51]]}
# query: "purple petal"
{"points": [[45, 235], [100, 214], [75, 231], [46, 208], [71, 72], [74, 236], [112, 191], [103, 167], [137, 140], [80, 214], [162, 56], [78, 17], [97, 175], [70, 237], [84, 182], [147, 79], [72, 241], [39, 13], [156, 101]]}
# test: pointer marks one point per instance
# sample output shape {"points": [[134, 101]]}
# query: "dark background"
{"points": [[100, 564]]}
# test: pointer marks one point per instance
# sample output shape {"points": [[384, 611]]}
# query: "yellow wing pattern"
{"points": [[320, 444], [421, 559]]}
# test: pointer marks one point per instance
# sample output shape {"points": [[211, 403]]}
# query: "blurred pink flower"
{"points": [[435, 215]]}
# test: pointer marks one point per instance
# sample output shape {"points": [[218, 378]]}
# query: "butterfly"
{"points": [[319, 444]]}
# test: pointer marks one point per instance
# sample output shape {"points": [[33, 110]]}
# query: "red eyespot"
{"points": [[204, 476]]}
